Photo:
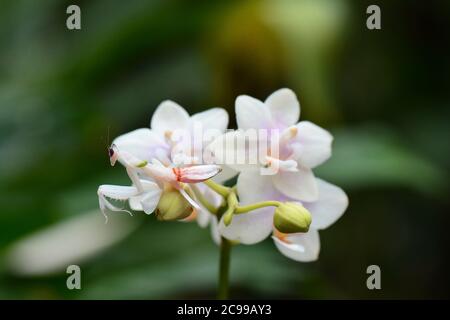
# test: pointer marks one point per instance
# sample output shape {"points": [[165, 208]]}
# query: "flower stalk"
{"points": [[220, 189], [201, 198], [224, 269], [254, 206]]}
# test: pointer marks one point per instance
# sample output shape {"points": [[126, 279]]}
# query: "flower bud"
{"points": [[172, 206], [291, 217]]}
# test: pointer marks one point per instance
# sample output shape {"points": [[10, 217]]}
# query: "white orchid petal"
{"points": [[211, 196], [252, 113], [284, 107], [215, 118], [249, 228], [312, 146], [253, 187], [330, 206], [203, 217], [143, 143], [196, 173], [303, 247], [257, 225], [180, 159], [300, 185], [169, 116], [227, 173], [162, 156], [236, 149], [215, 234]]}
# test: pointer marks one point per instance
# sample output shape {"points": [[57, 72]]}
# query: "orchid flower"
{"points": [[301, 146]]}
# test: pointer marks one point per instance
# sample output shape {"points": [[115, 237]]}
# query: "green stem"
{"points": [[232, 203], [232, 207], [222, 190], [254, 206], [224, 269]]}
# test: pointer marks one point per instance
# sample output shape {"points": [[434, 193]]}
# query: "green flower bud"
{"points": [[291, 217], [172, 206]]}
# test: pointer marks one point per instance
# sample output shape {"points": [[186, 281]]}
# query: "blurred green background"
{"points": [[64, 95]]}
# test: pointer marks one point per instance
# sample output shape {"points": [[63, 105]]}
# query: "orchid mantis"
{"points": [[150, 180]]}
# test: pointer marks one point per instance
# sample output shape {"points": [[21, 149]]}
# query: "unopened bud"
{"points": [[291, 217], [172, 206]]}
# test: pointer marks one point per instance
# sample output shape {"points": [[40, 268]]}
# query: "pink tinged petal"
{"points": [[249, 228], [303, 247], [330, 206], [253, 187], [168, 117], [284, 107], [142, 143], [196, 174], [300, 185], [312, 146], [215, 118], [159, 172], [252, 113]]}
